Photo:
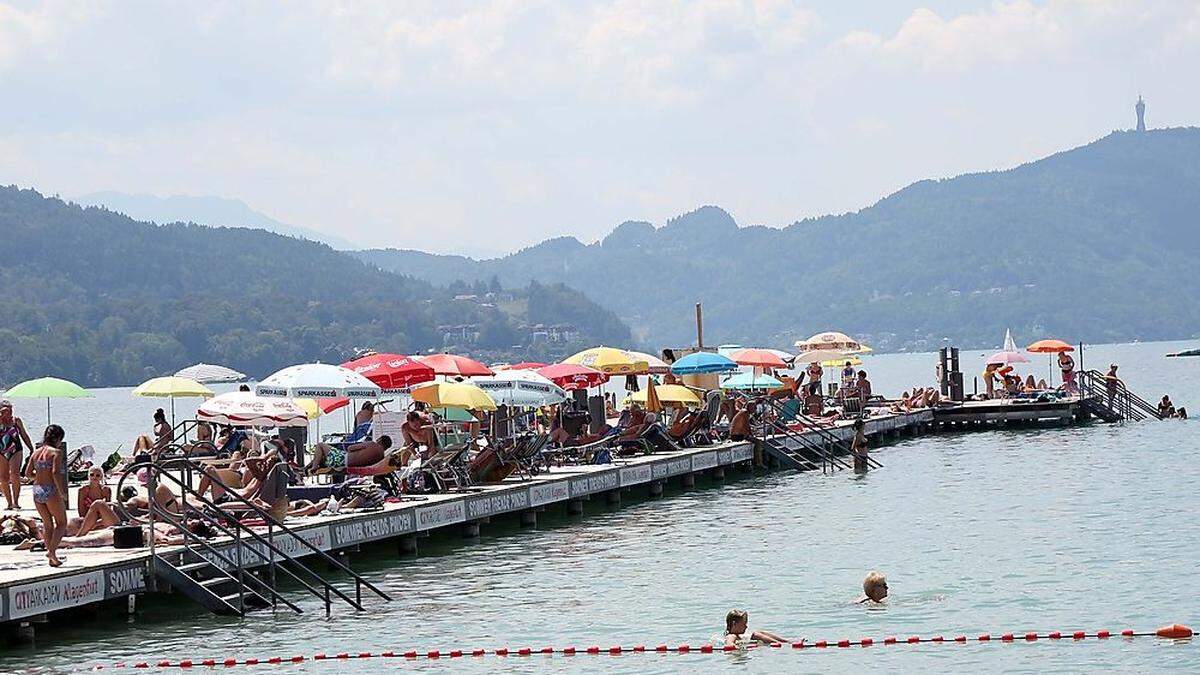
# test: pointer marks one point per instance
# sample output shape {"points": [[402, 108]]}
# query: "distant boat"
{"points": [[1189, 352]]}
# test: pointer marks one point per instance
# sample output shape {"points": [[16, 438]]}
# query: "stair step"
{"points": [[194, 567], [217, 581]]}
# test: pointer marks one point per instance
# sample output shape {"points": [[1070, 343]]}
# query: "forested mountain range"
{"points": [[99, 298], [1096, 243]]}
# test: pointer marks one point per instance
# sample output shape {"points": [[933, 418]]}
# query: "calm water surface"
{"points": [[1058, 529]]}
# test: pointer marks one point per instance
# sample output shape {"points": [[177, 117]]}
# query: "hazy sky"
{"points": [[492, 125]]}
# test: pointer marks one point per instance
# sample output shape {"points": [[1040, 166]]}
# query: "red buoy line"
{"points": [[1174, 632]]}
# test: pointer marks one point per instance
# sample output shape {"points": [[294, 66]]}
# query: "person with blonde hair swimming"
{"points": [[875, 589], [738, 633]]}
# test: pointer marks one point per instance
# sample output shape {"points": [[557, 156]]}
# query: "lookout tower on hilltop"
{"points": [[1140, 107]]}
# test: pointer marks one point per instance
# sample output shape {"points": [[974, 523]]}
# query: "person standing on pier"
{"points": [[46, 464], [1112, 382], [815, 373], [989, 379], [12, 435], [1067, 365]]}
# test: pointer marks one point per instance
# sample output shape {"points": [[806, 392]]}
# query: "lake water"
{"points": [[1073, 528]]}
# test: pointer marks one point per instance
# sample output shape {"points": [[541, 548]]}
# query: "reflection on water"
{"points": [[1058, 529]]}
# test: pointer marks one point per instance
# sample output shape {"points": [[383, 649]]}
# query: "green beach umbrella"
{"points": [[47, 388]]}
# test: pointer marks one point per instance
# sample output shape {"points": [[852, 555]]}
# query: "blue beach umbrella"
{"points": [[749, 380], [703, 362]]}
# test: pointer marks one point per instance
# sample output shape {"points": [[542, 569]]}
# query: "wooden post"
{"points": [[688, 480], [699, 327], [529, 519], [575, 507], [613, 497], [656, 488], [471, 530]]}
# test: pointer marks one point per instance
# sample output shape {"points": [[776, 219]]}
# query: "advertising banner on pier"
{"points": [[49, 595]]}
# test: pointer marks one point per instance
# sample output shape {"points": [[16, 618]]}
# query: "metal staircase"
{"points": [[1117, 404], [810, 454], [237, 570]]}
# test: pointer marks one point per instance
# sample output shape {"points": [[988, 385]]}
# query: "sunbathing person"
{"points": [[393, 461], [335, 458], [418, 431], [739, 428], [92, 491], [738, 633], [165, 534], [215, 479]]}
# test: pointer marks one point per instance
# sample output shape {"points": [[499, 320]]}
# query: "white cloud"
{"points": [[35, 31], [1006, 32], [657, 50]]}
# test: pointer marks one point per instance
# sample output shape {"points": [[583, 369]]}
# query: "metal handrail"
{"points": [[236, 535], [272, 521], [780, 427], [1133, 407], [160, 468], [192, 537]]}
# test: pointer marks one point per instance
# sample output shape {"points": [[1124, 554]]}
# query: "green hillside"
{"points": [[1095, 243], [101, 299]]}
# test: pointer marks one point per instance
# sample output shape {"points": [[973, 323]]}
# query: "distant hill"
{"points": [[213, 211], [1097, 243], [101, 299]]}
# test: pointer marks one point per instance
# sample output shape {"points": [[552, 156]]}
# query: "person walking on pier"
{"points": [[12, 435], [46, 464]]}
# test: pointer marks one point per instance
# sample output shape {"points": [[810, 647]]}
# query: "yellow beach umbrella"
{"points": [[609, 360], [309, 406], [838, 363], [667, 393], [454, 395], [172, 387]]}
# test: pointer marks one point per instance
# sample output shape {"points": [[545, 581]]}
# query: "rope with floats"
{"points": [[1171, 632]]}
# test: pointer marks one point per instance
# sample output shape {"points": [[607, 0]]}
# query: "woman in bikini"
{"points": [[93, 491], [47, 467], [12, 434]]}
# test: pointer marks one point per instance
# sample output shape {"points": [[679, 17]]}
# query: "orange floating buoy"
{"points": [[1176, 631]]}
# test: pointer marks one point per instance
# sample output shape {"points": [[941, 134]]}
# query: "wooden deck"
{"points": [[1007, 411], [30, 588]]}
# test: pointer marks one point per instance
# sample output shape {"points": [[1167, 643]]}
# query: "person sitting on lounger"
{"points": [[683, 425], [738, 633], [739, 428], [635, 425], [215, 479], [418, 431]]}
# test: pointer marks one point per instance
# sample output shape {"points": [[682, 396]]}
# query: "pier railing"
{"points": [[178, 472], [1113, 398]]}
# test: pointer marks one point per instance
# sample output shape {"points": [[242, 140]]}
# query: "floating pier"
{"points": [[31, 591]]}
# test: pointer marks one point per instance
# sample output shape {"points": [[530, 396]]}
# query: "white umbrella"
{"points": [[209, 373], [830, 340], [522, 388], [819, 355], [656, 364], [244, 408], [317, 380]]}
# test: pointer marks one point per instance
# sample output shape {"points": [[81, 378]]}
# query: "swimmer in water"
{"points": [[875, 589], [738, 634]]}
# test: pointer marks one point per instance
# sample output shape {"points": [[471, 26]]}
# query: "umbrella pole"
{"points": [[172, 412], [47, 411]]}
